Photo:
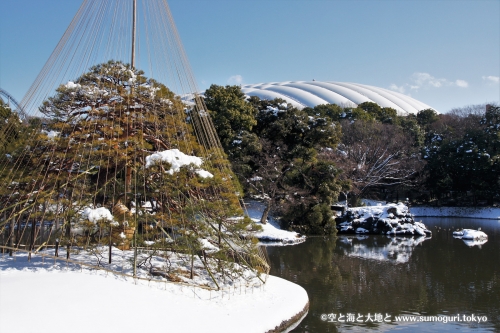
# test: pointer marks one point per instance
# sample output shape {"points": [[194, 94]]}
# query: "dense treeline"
{"points": [[301, 161]]}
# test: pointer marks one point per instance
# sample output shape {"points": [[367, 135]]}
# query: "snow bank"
{"points": [[390, 219], [471, 212], [271, 233], [177, 159], [136, 306]]}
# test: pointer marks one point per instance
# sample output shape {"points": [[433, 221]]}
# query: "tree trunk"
{"points": [[192, 266], [32, 238], [263, 219], [219, 233], [11, 236], [110, 244]]}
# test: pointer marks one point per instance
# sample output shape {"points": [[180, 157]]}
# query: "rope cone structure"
{"points": [[106, 156]]}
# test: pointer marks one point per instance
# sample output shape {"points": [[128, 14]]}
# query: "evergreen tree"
{"points": [[118, 140], [276, 155], [11, 130], [233, 117]]}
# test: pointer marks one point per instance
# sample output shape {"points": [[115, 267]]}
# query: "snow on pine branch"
{"points": [[177, 159]]}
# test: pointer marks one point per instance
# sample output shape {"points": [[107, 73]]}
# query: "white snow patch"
{"points": [[72, 85], [51, 134], [207, 246], [177, 159], [204, 173], [97, 214]]}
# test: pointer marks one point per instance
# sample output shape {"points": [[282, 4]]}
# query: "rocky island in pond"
{"points": [[390, 219]]}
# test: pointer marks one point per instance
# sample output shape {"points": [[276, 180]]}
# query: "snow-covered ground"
{"points": [[471, 212], [271, 233], [47, 296]]}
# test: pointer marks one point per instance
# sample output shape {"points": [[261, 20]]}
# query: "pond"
{"points": [[361, 283]]}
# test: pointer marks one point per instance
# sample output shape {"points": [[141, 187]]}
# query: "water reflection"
{"points": [[384, 248], [376, 274], [474, 242]]}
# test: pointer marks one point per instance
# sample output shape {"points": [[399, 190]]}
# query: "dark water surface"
{"points": [[361, 275]]}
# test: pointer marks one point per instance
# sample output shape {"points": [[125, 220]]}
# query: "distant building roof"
{"points": [[311, 93]]}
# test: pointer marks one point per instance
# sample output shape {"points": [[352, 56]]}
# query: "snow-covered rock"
{"points": [[470, 234], [389, 219], [471, 237]]}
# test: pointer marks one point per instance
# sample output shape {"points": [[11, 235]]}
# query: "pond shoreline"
{"points": [[490, 213], [287, 325]]}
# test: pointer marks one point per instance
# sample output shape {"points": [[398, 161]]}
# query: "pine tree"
{"points": [[101, 147]]}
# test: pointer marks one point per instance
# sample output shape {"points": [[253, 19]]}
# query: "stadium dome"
{"points": [[311, 93]]}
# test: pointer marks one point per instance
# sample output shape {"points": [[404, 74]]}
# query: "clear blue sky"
{"points": [[445, 53]]}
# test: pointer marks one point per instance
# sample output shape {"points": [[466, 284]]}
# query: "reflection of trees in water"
{"points": [[442, 274], [397, 249], [310, 265]]}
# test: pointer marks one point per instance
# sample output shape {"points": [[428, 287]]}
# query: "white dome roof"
{"points": [[311, 93]]}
